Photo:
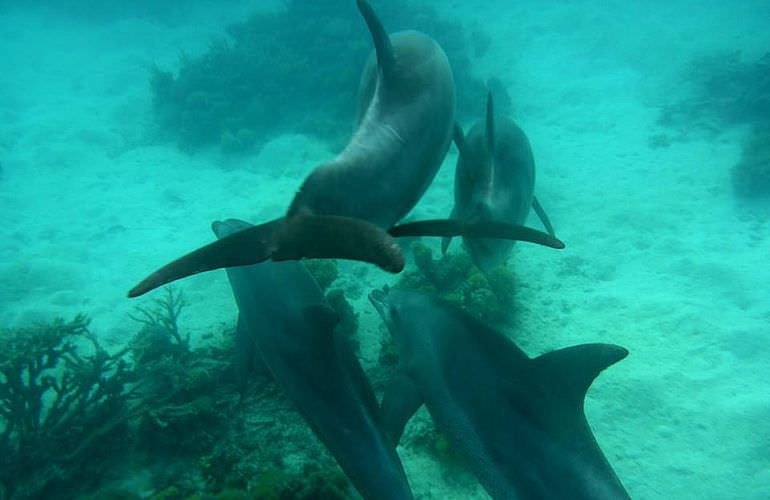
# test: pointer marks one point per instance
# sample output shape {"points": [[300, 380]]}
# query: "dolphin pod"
{"points": [[518, 422], [494, 181], [345, 207], [284, 313]]}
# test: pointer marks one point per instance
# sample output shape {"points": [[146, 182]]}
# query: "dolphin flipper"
{"points": [[459, 139], [483, 229], [543, 216], [447, 240], [401, 400], [287, 238]]}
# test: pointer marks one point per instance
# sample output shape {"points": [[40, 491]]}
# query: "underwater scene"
{"points": [[384, 249]]}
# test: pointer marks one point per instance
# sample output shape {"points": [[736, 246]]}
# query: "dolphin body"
{"points": [[345, 207], [518, 421], [283, 310], [494, 181]]}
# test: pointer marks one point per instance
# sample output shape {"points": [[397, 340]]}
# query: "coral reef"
{"points": [[294, 70], [70, 413], [186, 392], [313, 482], [62, 406], [751, 175], [723, 89], [160, 333], [455, 279]]}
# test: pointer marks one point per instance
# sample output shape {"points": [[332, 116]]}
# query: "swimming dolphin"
{"points": [[282, 308], [494, 181], [344, 207], [518, 421]]}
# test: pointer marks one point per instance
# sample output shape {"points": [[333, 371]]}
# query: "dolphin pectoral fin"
{"points": [[447, 240], [401, 400], [572, 370], [459, 139], [481, 229], [543, 216], [386, 59], [245, 357], [287, 238]]}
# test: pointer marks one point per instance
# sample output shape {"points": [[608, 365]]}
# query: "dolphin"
{"points": [[494, 181], [283, 310], [518, 421], [345, 207]]}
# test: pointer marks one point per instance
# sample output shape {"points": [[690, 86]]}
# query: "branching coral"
{"points": [[186, 392], [57, 404], [160, 333]]}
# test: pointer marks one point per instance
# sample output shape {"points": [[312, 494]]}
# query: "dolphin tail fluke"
{"points": [[386, 59], [543, 216], [485, 229], [574, 369], [287, 238]]}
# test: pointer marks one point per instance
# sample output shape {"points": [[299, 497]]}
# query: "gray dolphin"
{"points": [[345, 207], [284, 311], [404, 126], [494, 181], [518, 421]]}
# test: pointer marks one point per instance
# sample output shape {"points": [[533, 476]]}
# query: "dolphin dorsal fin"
{"points": [[490, 128], [573, 369], [386, 59]]}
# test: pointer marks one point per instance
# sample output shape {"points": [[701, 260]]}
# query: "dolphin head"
{"points": [[403, 312], [381, 300]]}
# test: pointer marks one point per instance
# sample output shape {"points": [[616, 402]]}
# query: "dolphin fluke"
{"points": [[287, 238], [482, 229]]}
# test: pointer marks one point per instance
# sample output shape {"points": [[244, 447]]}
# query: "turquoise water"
{"points": [[637, 116]]}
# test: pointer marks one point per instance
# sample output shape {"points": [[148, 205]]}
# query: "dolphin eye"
{"points": [[393, 312]]}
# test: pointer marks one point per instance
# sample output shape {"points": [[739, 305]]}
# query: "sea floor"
{"points": [[660, 256]]}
